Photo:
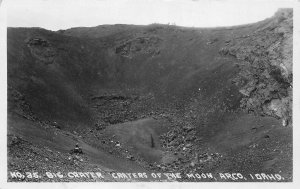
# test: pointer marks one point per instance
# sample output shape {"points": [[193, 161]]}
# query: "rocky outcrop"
{"points": [[265, 63], [42, 50], [139, 45]]}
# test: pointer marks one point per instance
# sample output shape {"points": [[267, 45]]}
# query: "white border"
{"points": [[295, 4]]}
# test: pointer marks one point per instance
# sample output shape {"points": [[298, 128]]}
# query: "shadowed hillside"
{"points": [[152, 98]]}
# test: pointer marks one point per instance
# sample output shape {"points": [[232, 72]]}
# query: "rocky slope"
{"points": [[152, 98], [265, 61]]}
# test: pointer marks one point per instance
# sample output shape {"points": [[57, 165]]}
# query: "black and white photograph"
{"points": [[187, 91]]}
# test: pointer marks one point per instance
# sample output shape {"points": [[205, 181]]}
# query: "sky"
{"points": [[63, 14]]}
